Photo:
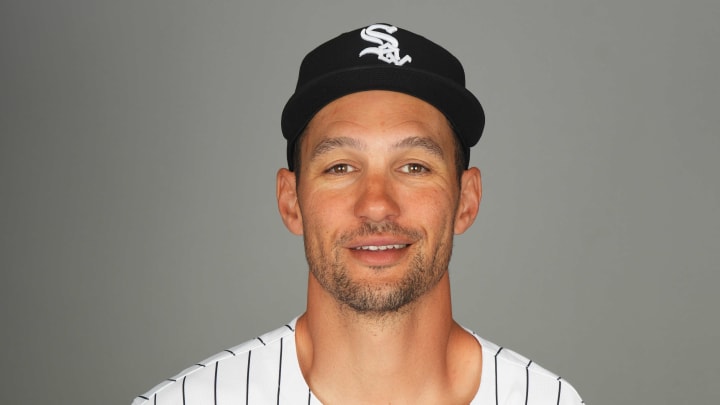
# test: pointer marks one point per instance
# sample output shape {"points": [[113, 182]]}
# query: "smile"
{"points": [[381, 247]]}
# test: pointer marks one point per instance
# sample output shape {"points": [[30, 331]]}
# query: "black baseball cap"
{"points": [[383, 57]]}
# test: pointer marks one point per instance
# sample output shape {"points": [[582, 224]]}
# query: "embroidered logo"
{"points": [[388, 50]]}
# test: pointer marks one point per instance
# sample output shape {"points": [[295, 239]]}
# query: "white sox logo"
{"points": [[388, 50]]}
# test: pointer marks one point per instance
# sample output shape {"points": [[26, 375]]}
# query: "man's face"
{"points": [[378, 200]]}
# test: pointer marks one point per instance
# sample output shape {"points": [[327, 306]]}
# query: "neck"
{"points": [[414, 355]]}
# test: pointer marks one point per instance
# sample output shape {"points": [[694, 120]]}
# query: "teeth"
{"points": [[383, 247]]}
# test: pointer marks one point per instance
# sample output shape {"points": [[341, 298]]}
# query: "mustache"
{"points": [[379, 228]]}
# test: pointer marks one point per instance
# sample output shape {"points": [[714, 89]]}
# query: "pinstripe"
{"points": [[559, 389], [527, 381], [183, 389], [497, 400], [217, 364], [280, 371], [247, 381]]}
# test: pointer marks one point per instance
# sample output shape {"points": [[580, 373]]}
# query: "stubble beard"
{"points": [[374, 299]]}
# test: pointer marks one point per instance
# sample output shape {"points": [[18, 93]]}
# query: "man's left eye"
{"points": [[414, 168]]}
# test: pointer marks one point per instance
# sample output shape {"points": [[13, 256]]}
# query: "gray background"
{"points": [[140, 141]]}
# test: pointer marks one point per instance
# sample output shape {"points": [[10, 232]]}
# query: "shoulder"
{"points": [[202, 379], [509, 377]]}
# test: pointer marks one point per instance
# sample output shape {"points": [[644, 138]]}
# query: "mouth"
{"points": [[380, 254]]}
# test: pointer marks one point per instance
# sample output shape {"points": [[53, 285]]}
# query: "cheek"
{"points": [[321, 212], [430, 206]]}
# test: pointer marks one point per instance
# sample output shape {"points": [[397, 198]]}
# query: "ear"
{"points": [[286, 193], [469, 204]]}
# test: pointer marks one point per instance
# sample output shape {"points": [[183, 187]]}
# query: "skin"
{"points": [[378, 203]]}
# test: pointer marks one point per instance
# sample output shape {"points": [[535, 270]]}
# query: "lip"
{"points": [[379, 251]]}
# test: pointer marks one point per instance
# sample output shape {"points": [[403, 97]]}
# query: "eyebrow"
{"points": [[427, 144]]}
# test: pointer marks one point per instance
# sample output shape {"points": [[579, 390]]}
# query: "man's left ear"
{"points": [[469, 204]]}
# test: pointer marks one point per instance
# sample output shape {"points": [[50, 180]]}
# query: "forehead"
{"points": [[379, 111]]}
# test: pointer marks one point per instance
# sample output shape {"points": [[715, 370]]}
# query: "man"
{"points": [[379, 131]]}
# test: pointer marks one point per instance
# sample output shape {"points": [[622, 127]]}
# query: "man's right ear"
{"points": [[286, 193]]}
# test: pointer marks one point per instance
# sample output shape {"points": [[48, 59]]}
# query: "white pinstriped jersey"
{"points": [[265, 370]]}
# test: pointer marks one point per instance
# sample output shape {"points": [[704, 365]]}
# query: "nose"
{"points": [[376, 200]]}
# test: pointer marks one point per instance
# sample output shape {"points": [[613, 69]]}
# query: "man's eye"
{"points": [[342, 168], [414, 168]]}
